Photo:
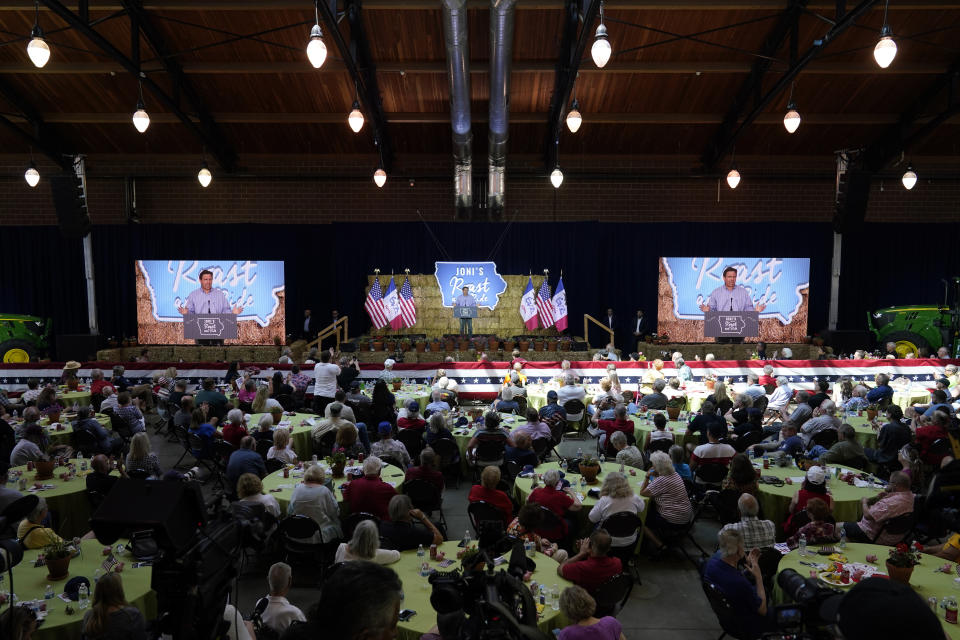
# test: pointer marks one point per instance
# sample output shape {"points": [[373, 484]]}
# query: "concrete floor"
{"points": [[669, 605]]}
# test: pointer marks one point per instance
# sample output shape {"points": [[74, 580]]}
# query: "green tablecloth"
{"points": [[417, 590], [924, 580], [68, 398], [464, 434], [418, 392], [776, 500], [644, 427], [276, 480], [300, 426], [65, 436], [866, 434], [68, 499], [523, 490], [29, 583]]}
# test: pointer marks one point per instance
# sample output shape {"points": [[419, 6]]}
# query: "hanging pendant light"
{"points": [[31, 175], [791, 120], [574, 119], [886, 48], [316, 48], [141, 119], [204, 175], [733, 178], [37, 49], [601, 50], [355, 119], [909, 178], [556, 177], [380, 177]]}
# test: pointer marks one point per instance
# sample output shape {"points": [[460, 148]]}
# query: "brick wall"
{"points": [[320, 189]]}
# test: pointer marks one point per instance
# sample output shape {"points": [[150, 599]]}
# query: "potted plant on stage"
{"points": [[903, 558], [524, 345], [539, 344], [509, 344], [337, 460], [565, 343], [378, 343], [420, 345], [675, 406], [463, 344], [57, 555], [552, 343], [589, 468], [493, 343], [449, 344], [390, 344], [405, 345]]}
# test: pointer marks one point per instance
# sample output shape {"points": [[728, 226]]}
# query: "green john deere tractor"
{"points": [[23, 338], [915, 326]]}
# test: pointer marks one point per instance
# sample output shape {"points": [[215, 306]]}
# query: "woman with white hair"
{"points": [[672, 509], [767, 377], [506, 403], [781, 395], [387, 375], [616, 496], [439, 379], [786, 353], [312, 498], [282, 448], [950, 373], [365, 545]]}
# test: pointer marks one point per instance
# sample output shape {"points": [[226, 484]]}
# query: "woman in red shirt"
{"points": [[487, 492], [814, 486], [559, 501]]}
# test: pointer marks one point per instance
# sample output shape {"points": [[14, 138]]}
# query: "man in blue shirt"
{"points": [[882, 391], [938, 402], [105, 444], [791, 443], [730, 297], [244, 460], [747, 601], [465, 300]]}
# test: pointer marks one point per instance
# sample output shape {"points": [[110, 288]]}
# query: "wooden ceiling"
{"points": [[660, 93]]}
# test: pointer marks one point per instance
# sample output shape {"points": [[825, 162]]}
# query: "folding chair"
{"points": [[426, 497], [613, 594]]}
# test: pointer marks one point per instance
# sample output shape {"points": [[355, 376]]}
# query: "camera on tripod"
{"points": [[810, 615]]}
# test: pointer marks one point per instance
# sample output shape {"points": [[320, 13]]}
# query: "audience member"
{"points": [[369, 493], [282, 448], [522, 453], [819, 530], [32, 533], [708, 418], [312, 498], [747, 601], [882, 391], [244, 460], [714, 451], [672, 508], [128, 413], [822, 420], [846, 451], [814, 486], [325, 383], [525, 526], [387, 447], [110, 616], [756, 533], [401, 530], [488, 492], [31, 446], [234, 430], [627, 454], [558, 499], [365, 545], [99, 478], [616, 496], [348, 441], [591, 566], [533, 427], [428, 469], [897, 500], [279, 612], [817, 399], [578, 607], [681, 467], [250, 489]]}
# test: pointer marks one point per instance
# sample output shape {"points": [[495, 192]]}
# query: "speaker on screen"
{"points": [[174, 511], [71, 205]]}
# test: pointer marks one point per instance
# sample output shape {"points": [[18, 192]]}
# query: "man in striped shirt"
{"points": [[713, 452]]}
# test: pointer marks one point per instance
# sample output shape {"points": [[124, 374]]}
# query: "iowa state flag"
{"points": [[528, 306], [560, 306], [391, 306]]}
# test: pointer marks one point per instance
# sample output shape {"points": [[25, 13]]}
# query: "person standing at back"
{"points": [[325, 383]]}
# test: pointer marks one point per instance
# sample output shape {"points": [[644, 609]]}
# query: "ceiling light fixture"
{"points": [[791, 119], [32, 176], [733, 178], [316, 48], [37, 48], [909, 178], [380, 177], [141, 119], [574, 119], [355, 119], [556, 177], [886, 49], [204, 175], [601, 50]]}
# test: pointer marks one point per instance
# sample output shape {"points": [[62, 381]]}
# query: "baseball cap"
{"points": [[355, 384], [815, 475], [413, 405], [878, 609], [552, 395], [384, 428]]}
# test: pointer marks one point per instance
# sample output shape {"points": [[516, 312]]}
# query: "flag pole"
{"points": [[546, 278]]}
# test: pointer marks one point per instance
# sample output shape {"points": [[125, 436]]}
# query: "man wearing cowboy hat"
{"points": [[70, 370]]}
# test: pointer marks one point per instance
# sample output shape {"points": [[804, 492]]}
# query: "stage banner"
{"points": [[252, 285], [486, 285]]}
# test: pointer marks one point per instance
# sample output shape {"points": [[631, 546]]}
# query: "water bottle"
{"points": [[802, 545], [555, 598], [83, 596], [48, 593], [420, 551], [81, 463], [466, 539], [75, 407], [843, 539], [603, 458], [621, 468], [580, 453], [583, 483]]}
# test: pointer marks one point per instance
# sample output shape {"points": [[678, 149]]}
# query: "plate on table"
{"points": [[833, 579]]}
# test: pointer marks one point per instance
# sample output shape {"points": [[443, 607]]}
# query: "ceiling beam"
{"points": [[720, 147], [432, 5], [565, 75], [39, 135], [591, 119], [359, 63], [140, 21], [207, 137], [477, 67], [753, 83]]}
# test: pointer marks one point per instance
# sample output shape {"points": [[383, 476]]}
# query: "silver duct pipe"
{"points": [[501, 56], [458, 72]]}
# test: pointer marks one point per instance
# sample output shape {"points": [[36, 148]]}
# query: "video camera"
{"points": [[481, 603], [804, 618]]}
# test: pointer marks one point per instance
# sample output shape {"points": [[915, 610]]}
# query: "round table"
{"points": [[644, 427], [68, 499], [776, 500], [910, 396], [537, 393], [301, 430], [29, 583], [417, 590], [866, 433], [925, 581], [523, 490], [464, 434], [69, 398], [408, 392], [275, 480], [65, 435]]}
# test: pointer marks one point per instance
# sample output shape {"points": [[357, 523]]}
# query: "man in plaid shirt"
{"points": [[756, 533]]}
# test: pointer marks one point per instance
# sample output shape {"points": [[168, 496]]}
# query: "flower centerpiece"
{"points": [[675, 406], [397, 383], [710, 381], [901, 561], [337, 460], [57, 557], [589, 468], [871, 410]]}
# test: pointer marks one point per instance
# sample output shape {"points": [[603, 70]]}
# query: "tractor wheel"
{"points": [[17, 351], [907, 342]]}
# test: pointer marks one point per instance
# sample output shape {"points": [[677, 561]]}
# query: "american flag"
{"points": [[408, 308], [374, 305], [545, 305]]}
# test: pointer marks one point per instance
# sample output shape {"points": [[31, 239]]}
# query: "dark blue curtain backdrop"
{"points": [[604, 264]]}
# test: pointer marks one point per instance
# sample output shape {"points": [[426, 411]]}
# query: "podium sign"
{"points": [[210, 326], [464, 312], [731, 324]]}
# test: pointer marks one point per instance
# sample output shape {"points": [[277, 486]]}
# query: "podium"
{"points": [[210, 326], [462, 313], [731, 324]]}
